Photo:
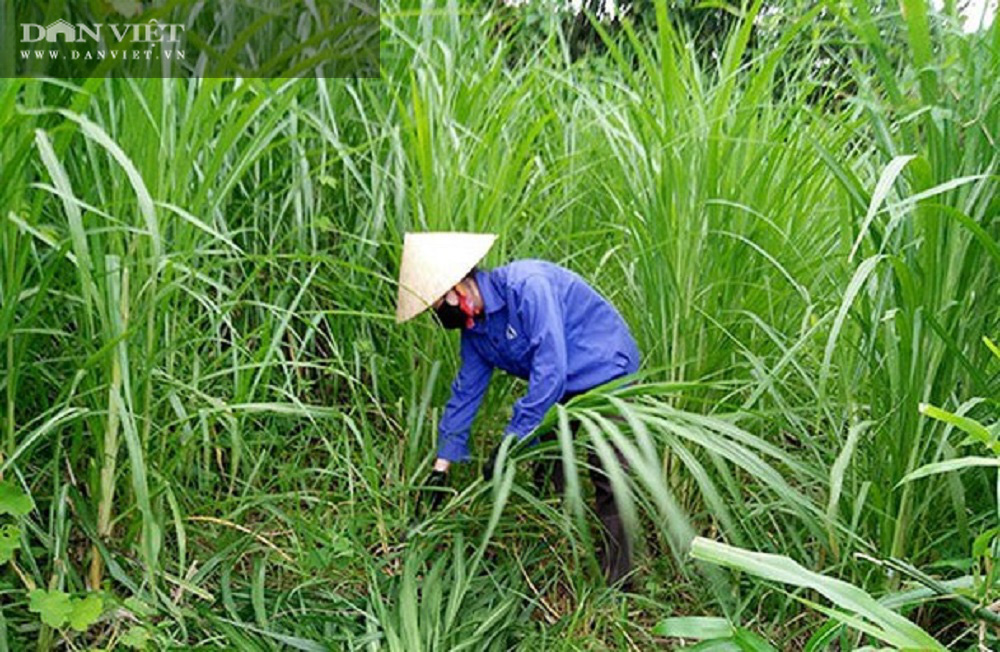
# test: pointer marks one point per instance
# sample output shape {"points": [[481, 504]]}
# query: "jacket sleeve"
{"points": [[467, 391], [541, 315]]}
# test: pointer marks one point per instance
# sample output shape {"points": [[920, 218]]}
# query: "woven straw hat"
{"points": [[432, 263]]}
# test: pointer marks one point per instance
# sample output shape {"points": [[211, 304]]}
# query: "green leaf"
{"points": [[971, 427], [861, 274], [873, 617], [882, 189], [53, 606], [135, 638], [10, 540], [751, 642], [991, 346], [86, 612], [697, 628], [13, 501], [956, 464], [139, 608], [715, 645]]}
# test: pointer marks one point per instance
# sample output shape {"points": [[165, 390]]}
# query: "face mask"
{"points": [[450, 316], [457, 316]]}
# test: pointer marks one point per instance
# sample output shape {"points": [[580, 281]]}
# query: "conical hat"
{"points": [[432, 263]]}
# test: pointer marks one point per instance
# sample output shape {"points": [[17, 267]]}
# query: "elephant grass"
{"points": [[223, 430]]}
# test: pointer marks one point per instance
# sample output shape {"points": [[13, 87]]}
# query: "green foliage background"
{"points": [[223, 431]]}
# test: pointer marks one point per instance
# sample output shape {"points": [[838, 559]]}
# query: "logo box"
{"points": [[208, 38]]}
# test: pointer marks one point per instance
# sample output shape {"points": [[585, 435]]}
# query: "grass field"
{"points": [[214, 435]]}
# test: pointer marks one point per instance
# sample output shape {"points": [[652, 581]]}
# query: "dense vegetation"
{"points": [[214, 434]]}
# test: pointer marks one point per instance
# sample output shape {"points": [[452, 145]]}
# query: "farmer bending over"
{"points": [[535, 320]]}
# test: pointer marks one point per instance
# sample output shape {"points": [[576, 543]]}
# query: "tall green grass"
{"points": [[223, 431]]}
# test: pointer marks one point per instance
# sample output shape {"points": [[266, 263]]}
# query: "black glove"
{"points": [[437, 481], [491, 463]]}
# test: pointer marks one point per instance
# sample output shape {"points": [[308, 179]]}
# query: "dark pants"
{"points": [[613, 548]]}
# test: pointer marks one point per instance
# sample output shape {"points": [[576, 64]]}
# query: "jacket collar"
{"points": [[492, 299]]}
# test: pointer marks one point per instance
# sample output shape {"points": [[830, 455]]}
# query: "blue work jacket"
{"points": [[543, 323]]}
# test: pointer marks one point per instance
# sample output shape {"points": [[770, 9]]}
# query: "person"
{"points": [[533, 319]]}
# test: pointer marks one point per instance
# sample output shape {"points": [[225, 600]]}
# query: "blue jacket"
{"points": [[543, 323]]}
